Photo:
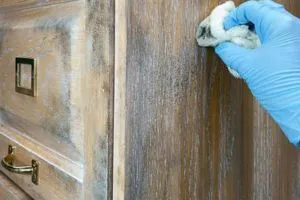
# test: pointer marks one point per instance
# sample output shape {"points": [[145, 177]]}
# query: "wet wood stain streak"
{"points": [[191, 130]]}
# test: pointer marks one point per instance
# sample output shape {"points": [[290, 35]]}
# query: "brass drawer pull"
{"points": [[8, 163]]}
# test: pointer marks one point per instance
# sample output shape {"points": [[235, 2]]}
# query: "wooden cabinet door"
{"points": [[185, 128], [65, 126]]}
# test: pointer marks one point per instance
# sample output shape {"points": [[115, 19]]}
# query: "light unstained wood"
{"points": [[119, 100], [191, 130], [98, 87], [10, 191]]}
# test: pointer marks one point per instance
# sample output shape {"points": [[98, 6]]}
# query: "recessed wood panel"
{"points": [[53, 37]]}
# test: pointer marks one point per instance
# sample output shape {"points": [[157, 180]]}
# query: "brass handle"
{"points": [[8, 163]]}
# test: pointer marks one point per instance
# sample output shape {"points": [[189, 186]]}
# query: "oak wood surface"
{"points": [[59, 177], [9, 5], [53, 36], [98, 93], [10, 191], [68, 126], [190, 130]]}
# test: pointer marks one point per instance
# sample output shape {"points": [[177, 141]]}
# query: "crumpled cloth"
{"points": [[211, 32]]}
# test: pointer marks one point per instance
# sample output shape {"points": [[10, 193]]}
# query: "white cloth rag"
{"points": [[211, 31]]}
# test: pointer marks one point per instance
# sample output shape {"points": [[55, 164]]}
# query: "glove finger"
{"points": [[271, 3], [250, 11], [234, 56], [243, 14]]}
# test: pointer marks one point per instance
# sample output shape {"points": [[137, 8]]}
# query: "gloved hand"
{"points": [[272, 71]]}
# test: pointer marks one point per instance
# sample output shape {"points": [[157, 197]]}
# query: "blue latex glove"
{"points": [[271, 71]]}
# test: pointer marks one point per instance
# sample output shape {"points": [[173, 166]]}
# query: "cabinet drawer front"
{"points": [[10, 191], [54, 182], [52, 36], [46, 127]]}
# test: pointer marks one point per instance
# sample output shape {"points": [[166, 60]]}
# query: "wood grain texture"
{"points": [[119, 101], [98, 90], [53, 36], [68, 127], [10, 5], [59, 177], [10, 191], [48, 127], [191, 130]]}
